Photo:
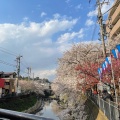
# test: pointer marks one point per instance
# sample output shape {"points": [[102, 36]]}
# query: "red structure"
{"points": [[2, 82]]}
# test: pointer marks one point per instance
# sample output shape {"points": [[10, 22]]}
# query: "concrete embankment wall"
{"points": [[37, 107], [94, 112]]}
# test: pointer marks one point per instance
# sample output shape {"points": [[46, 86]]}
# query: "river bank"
{"points": [[19, 103], [37, 107]]}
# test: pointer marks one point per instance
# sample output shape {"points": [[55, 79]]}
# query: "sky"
{"points": [[42, 30]]}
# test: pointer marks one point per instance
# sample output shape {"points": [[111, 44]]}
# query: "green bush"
{"points": [[19, 104]]}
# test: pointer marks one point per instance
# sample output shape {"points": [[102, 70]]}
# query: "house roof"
{"points": [[9, 73]]}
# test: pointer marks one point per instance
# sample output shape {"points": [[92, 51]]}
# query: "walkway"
{"points": [[101, 116]]}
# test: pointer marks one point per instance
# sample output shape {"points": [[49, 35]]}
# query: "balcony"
{"points": [[115, 29], [116, 16]]}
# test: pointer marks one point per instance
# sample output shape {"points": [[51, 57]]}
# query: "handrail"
{"points": [[13, 115]]}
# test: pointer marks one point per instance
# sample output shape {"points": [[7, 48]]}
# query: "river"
{"points": [[50, 110]]}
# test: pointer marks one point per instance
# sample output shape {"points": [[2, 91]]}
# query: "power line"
{"points": [[7, 51], [112, 7], [94, 30], [93, 34], [6, 63], [17, 58], [24, 71], [10, 53], [25, 63]]}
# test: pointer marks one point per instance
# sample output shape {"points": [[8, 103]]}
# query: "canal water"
{"points": [[50, 110]]}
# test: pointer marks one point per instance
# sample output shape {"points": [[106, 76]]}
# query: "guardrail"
{"points": [[109, 108], [13, 115]]}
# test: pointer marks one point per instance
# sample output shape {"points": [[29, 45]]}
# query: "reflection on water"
{"points": [[50, 110]]}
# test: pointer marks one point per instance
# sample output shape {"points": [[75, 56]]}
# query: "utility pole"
{"points": [[102, 30], [33, 76], [18, 67], [29, 72], [102, 34]]}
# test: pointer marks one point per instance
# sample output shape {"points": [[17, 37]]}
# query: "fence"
{"points": [[109, 108]]}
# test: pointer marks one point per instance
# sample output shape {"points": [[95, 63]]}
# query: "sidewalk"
{"points": [[101, 116]]}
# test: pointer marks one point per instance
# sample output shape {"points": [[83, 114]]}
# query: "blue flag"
{"points": [[99, 71], [115, 53], [103, 66], [108, 59], [118, 47]]}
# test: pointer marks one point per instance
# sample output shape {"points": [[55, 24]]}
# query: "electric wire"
{"points": [[24, 71], [112, 7], [7, 51], [94, 30], [25, 63], [6, 63], [10, 53]]}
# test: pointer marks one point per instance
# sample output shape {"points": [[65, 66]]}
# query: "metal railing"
{"points": [[13, 115], [110, 109]]}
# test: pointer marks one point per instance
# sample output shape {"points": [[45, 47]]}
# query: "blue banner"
{"points": [[115, 53], [118, 47]]}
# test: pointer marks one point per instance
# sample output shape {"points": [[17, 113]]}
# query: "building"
{"points": [[8, 83], [7, 74], [10, 86], [113, 22], [2, 83]]}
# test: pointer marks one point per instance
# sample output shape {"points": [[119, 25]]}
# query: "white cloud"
{"points": [[43, 14], [89, 22], [56, 16], [78, 7], [64, 47], [92, 13], [105, 7], [54, 26], [35, 42], [25, 19], [70, 36], [67, 1], [45, 73]]}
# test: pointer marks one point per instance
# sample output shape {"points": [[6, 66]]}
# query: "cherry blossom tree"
{"points": [[79, 65], [31, 86]]}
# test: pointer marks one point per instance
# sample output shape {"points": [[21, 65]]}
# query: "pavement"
{"points": [[101, 116]]}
